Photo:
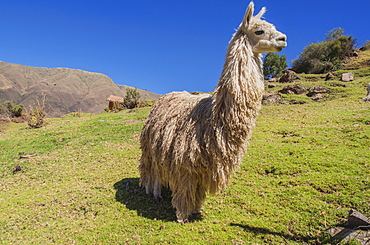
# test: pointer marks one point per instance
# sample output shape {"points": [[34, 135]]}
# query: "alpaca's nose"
{"points": [[281, 38]]}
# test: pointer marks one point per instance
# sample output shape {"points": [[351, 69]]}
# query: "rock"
{"points": [[271, 98], [297, 102], [274, 79], [317, 90], [316, 93], [367, 98], [357, 228], [293, 89], [271, 86], [357, 220], [345, 234], [346, 77], [288, 76], [355, 53], [338, 85], [17, 169], [28, 156], [317, 97], [329, 76]]}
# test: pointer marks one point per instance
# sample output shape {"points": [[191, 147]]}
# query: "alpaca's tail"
{"points": [[148, 177]]}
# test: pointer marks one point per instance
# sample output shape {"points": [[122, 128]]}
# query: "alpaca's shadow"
{"points": [[264, 231], [129, 193]]}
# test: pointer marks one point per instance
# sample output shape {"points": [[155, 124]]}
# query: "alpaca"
{"points": [[193, 143]]}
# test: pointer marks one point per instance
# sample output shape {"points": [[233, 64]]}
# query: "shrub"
{"points": [[36, 115], [131, 99], [13, 109]]}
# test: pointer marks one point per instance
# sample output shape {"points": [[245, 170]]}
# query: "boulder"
{"points": [[288, 77], [329, 76], [357, 228], [293, 89], [273, 80], [317, 93], [271, 98], [346, 77], [317, 97], [317, 90], [357, 220]]}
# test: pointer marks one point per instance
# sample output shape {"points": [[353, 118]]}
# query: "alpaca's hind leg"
{"points": [[157, 190], [149, 186]]}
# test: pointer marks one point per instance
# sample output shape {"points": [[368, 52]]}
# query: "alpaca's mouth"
{"points": [[281, 46], [278, 49]]}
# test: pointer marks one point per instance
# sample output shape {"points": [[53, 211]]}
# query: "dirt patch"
{"points": [[131, 121], [4, 123], [20, 119]]}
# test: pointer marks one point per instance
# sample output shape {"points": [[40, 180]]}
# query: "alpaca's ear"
{"points": [[261, 13], [248, 15]]}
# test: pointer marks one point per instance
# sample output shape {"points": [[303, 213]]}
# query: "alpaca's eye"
{"points": [[259, 32]]}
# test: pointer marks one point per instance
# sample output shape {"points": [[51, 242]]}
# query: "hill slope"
{"points": [[66, 90]]}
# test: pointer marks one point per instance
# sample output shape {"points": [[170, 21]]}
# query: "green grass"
{"points": [[306, 166]]}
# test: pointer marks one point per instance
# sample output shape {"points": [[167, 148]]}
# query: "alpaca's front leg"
{"points": [[199, 200], [183, 200]]}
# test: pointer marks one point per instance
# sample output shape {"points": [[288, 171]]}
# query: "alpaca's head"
{"points": [[262, 35]]}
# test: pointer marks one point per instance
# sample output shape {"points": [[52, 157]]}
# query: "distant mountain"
{"points": [[67, 90]]}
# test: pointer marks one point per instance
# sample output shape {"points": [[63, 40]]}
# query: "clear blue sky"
{"points": [[161, 45]]}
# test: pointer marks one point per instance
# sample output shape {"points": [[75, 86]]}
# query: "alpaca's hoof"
{"points": [[182, 221], [195, 212], [158, 198]]}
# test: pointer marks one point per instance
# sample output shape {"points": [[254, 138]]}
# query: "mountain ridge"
{"points": [[66, 89]]}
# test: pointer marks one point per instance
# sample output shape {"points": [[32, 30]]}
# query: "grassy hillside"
{"points": [[306, 166]]}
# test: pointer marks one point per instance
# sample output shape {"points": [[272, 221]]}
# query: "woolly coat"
{"points": [[192, 143]]}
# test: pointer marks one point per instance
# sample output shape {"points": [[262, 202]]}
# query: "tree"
{"points": [[273, 65], [334, 33], [131, 99], [327, 55], [366, 45]]}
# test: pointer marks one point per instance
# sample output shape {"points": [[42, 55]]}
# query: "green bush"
{"points": [[328, 55], [13, 109]]}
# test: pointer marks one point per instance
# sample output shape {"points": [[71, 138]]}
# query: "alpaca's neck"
{"points": [[237, 98]]}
